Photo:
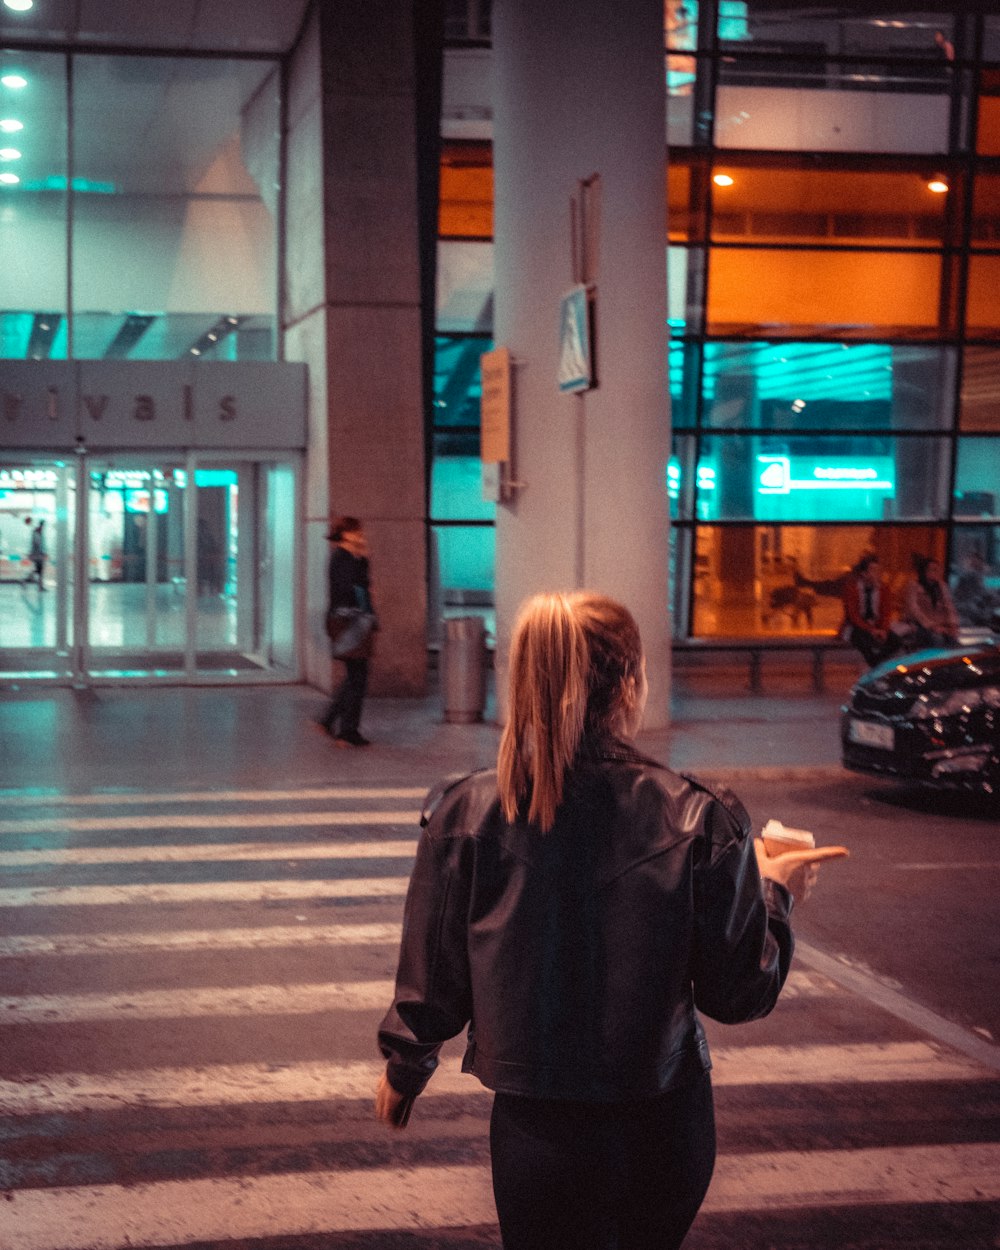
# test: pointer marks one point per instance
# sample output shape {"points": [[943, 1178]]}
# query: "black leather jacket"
{"points": [[578, 957]]}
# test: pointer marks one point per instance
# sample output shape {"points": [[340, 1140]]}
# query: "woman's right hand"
{"points": [[798, 871]]}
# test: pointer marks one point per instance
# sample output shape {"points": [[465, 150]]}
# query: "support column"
{"points": [[579, 91], [352, 309]]}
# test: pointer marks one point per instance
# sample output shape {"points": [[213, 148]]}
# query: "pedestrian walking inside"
{"points": [[37, 554], [577, 907]]}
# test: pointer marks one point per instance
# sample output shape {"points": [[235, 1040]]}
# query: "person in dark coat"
{"points": [[350, 591], [577, 908]]}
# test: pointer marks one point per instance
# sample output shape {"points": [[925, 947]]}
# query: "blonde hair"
{"points": [[575, 662]]}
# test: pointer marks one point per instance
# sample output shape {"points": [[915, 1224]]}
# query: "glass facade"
{"points": [[833, 258], [159, 246], [151, 240]]}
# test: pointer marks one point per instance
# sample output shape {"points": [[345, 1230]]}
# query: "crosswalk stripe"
{"points": [[206, 852], [69, 944], [255, 1000], [22, 798], [222, 1085], [200, 892], [188, 1003], [207, 820], [108, 1217]]}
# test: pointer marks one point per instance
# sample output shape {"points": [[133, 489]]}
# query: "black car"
{"points": [[932, 717]]}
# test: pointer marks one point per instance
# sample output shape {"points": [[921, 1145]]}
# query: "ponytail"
{"points": [[573, 660]]}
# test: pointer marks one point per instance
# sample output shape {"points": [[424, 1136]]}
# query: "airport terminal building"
{"points": [[250, 269]]}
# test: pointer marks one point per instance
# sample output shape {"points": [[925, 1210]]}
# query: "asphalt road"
{"points": [[918, 900], [198, 936]]}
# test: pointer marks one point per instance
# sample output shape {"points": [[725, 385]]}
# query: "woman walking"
{"points": [[576, 907], [351, 637]]}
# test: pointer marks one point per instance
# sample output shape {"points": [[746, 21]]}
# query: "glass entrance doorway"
{"points": [[165, 568]]}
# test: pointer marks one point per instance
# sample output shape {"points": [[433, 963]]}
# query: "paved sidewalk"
{"points": [[173, 737]]}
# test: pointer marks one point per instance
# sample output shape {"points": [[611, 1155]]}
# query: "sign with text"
{"points": [[494, 406], [58, 405]]}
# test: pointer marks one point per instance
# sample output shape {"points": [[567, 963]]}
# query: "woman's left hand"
{"points": [[388, 1103]]}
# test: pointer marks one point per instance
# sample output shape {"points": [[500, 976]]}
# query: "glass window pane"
{"points": [[466, 191], [685, 283], [465, 555], [981, 389], [805, 386], [867, 292], [986, 210], [683, 380], [33, 206], [991, 39], [821, 478], [464, 287], [778, 204], [787, 579], [174, 252], [988, 136], [982, 311], [773, 104], [977, 478], [817, 30], [457, 480], [975, 573], [680, 478], [457, 379], [685, 202]]}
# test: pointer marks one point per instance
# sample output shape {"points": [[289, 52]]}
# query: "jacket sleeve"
{"points": [[433, 999], [743, 940]]}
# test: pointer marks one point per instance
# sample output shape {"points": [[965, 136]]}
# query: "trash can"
{"points": [[463, 669]]}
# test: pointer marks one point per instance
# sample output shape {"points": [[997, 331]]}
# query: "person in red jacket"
{"points": [[868, 611]]}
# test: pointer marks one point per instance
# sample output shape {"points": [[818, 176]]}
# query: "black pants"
{"points": [[602, 1176], [345, 706], [873, 650]]}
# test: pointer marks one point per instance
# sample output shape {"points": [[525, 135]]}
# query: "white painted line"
{"points": [[201, 892], [67, 944], [207, 853], [20, 798], [246, 1084], [897, 1004], [188, 1003], [110, 1217], [206, 820]]}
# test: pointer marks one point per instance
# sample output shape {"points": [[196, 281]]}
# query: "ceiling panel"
{"points": [[268, 26]]}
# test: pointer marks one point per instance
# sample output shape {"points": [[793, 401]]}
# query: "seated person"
{"points": [[974, 601], [868, 611], [929, 618]]}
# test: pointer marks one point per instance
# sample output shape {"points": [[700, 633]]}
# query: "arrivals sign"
{"points": [[92, 404]]}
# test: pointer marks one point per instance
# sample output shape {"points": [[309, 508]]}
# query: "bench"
{"points": [[818, 645]]}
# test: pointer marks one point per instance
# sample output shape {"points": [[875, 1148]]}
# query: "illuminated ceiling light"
{"points": [[14, 81], [798, 405], [723, 180], [9, 180], [19, 6], [10, 125], [9, 154], [938, 184]]}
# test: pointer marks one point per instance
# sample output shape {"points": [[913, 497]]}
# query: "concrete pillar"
{"points": [[352, 309], [579, 90]]}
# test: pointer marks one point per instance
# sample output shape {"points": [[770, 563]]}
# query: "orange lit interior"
{"points": [[466, 210], [751, 290], [729, 603]]}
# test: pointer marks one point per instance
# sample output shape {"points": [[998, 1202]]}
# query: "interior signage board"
{"points": [[97, 404], [494, 406]]}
